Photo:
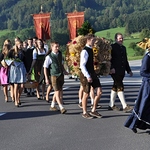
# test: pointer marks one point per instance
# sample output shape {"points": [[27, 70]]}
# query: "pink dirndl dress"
{"points": [[4, 76]]}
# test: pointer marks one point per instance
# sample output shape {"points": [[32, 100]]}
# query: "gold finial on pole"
{"points": [[41, 9], [75, 8]]}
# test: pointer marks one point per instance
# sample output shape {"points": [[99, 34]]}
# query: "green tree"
{"points": [[132, 45], [137, 50], [107, 13], [145, 33], [85, 29], [11, 24]]}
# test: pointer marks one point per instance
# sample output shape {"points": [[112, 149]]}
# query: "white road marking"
{"points": [[1, 114]]}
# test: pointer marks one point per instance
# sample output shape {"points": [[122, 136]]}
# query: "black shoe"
{"points": [[33, 94], [17, 105], [48, 101], [28, 94], [134, 130], [25, 90]]}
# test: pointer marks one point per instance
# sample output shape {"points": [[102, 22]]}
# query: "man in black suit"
{"points": [[119, 64]]}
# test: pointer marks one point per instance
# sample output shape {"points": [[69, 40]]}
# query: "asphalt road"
{"points": [[33, 127]]}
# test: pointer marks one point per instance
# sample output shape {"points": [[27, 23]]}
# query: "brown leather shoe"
{"points": [[95, 114], [114, 108], [87, 116], [53, 108], [128, 109], [63, 111]]}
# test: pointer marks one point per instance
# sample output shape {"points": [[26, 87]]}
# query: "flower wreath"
{"points": [[101, 55]]}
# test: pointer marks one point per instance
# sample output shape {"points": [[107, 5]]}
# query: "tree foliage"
{"points": [[101, 14], [138, 21], [137, 50], [145, 33]]}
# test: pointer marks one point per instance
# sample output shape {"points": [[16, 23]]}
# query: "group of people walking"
{"points": [[21, 61], [140, 113], [88, 77], [18, 60], [15, 74], [28, 60]]}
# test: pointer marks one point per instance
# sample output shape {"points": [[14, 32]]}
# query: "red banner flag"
{"points": [[75, 21], [42, 25]]}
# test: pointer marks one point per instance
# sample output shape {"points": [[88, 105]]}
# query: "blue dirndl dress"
{"points": [[140, 116], [17, 73]]}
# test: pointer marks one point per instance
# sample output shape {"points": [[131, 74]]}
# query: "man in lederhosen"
{"points": [[89, 78]]}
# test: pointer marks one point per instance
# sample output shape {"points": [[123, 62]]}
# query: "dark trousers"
{"points": [[86, 85], [118, 82]]}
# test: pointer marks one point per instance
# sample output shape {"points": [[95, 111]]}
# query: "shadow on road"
{"points": [[27, 114]]}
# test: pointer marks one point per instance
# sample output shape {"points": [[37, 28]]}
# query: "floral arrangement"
{"points": [[101, 55], [144, 44], [72, 57]]}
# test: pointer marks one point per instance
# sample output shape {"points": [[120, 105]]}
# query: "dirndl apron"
{"points": [[4, 75]]}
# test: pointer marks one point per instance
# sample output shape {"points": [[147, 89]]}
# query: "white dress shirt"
{"points": [[48, 60], [39, 53], [83, 60]]}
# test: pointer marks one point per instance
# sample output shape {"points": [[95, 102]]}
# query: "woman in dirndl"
{"points": [[4, 68], [38, 59], [140, 117], [17, 73]]}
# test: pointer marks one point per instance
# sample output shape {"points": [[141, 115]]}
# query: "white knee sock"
{"points": [[92, 101], [61, 106], [53, 104], [122, 99], [80, 101], [112, 98]]}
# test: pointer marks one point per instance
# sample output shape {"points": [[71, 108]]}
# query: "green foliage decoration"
{"points": [[138, 51], [85, 29]]}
